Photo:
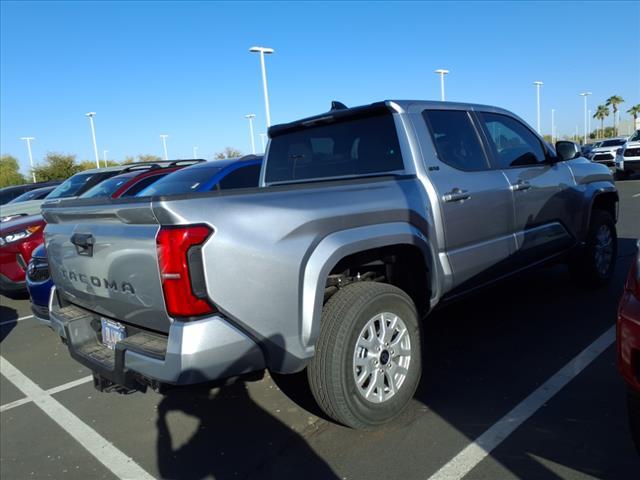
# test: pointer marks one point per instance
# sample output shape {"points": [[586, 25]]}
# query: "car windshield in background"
{"points": [[183, 181], [36, 194], [635, 137], [613, 143], [105, 188], [71, 186], [343, 148]]}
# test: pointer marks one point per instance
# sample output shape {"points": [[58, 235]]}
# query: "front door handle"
{"points": [[520, 186], [456, 195]]}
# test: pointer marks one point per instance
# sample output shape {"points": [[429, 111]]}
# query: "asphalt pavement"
{"points": [[520, 381]]}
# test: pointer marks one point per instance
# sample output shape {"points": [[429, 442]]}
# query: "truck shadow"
{"points": [[8, 321], [234, 438]]}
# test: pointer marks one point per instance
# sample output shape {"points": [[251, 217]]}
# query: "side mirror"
{"points": [[567, 150]]}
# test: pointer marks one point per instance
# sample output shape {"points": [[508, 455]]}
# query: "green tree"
{"points": [[613, 101], [57, 167], [228, 152], [634, 112], [10, 171], [148, 158], [602, 112]]}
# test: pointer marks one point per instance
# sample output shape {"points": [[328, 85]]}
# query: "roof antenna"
{"points": [[335, 105]]}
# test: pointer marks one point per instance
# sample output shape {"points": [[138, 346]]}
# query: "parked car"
{"points": [[35, 194], [588, 148], [232, 173], [9, 193], [73, 187], [18, 238], [628, 343], [366, 219], [241, 172], [628, 157], [606, 152]]}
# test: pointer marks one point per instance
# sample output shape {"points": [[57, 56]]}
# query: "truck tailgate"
{"points": [[103, 258]]}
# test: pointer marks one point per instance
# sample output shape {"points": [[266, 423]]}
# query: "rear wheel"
{"points": [[368, 357], [593, 266]]}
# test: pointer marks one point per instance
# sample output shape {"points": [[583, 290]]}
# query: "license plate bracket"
{"points": [[112, 333]]}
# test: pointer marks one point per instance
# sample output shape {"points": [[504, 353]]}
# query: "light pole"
{"points": [[442, 73], [585, 95], [250, 117], [93, 135], [28, 140], [538, 84], [195, 152], [164, 145], [264, 51], [104, 157], [589, 121], [553, 125], [263, 139]]}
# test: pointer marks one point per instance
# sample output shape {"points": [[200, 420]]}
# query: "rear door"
{"points": [[104, 259], [476, 202], [545, 201]]}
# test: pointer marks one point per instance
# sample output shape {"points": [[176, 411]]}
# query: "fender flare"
{"points": [[334, 247], [600, 189]]}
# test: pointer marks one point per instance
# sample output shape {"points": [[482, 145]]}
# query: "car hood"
{"points": [[30, 207], [605, 149], [20, 223]]}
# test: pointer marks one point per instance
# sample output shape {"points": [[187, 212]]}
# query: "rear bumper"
{"points": [[192, 352]]}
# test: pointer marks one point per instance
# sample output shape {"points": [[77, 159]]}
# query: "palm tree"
{"points": [[602, 112], [634, 112], [613, 101]]}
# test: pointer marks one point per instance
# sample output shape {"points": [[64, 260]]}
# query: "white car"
{"points": [[606, 152], [628, 157]]}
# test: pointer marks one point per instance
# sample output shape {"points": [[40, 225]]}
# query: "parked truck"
{"points": [[366, 219]]}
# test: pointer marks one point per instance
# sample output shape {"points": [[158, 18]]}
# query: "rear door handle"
{"points": [[521, 185], [456, 195]]}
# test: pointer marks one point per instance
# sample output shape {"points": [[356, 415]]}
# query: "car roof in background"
{"points": [[224, 163], [136, 166]]}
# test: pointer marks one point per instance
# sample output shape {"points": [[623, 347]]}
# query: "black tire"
{"points": [[331, 372], [584, 264], [633, 403]]}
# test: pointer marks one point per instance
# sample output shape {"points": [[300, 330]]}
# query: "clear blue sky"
{"points": [[184, 68]]}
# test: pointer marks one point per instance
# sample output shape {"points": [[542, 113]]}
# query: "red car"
{"points": [[19, 237], [628, 343]]}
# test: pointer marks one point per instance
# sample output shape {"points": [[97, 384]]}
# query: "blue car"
{"points": [[202, 177]]}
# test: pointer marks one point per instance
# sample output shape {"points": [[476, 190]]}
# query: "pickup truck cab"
{"points": [[366, 218]]}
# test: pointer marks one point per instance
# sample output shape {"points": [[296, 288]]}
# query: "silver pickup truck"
{"points": [[366, 219]]}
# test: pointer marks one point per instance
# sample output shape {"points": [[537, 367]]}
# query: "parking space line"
{"points": [[51, 391], [16, 320], [105, 452], [475, 452]]}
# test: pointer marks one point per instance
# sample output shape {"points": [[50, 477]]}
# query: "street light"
{"points": [[164, 145], [93, 136], [264, 51], [28, 140], [589, 121], [442, 73], [585, 95], [195, 152], [250, 117], [104, 157], [538, 84], [553, 125], [263, 139]]}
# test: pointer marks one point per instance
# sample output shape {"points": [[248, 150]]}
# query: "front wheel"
{"points": [[593, 266], [368, 357]]}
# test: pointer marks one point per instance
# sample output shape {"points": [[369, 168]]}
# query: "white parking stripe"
{"points": [[14, 320], [474, 453], [51, 391], [105, 452]]}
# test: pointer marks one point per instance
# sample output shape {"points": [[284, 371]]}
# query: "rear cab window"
{"points": [[334, 148]]}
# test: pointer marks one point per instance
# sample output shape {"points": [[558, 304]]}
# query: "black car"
{"points": [[9, 193]]}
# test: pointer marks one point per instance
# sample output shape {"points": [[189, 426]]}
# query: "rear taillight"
{"points": [[176, 247]]}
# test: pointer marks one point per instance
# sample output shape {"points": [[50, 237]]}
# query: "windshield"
{"points": [[635, 137], [613, 143], [71, 186], [183, 181], [36, 194], [105, 188]]}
